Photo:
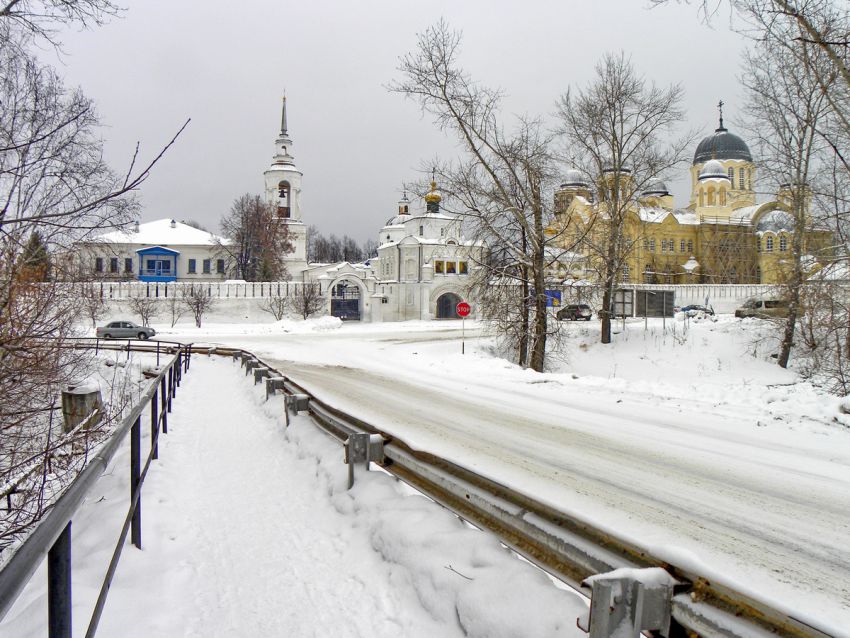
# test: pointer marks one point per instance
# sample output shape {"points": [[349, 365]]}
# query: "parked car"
{"points": [[574, 312], [124, 330], [694, 310], [763, 308]]}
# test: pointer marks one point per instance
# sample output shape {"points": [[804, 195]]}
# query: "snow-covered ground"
{"points": [[688, 440]]}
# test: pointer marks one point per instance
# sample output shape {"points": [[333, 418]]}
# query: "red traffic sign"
{"points": [[463, 309]]}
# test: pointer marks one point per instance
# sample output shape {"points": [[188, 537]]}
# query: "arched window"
{"points": [[625, 273], [741, 178], [768, 244], [758, 275], [783, 243], [283, 199], [722, 201], [711, 197], [731, 173], [702, 197], [758, 244]]}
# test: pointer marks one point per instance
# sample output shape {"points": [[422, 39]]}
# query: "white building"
{"points": [[159, 251], [423, 269]]}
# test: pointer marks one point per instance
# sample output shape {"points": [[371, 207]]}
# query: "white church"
{"points": [[424, 265]]}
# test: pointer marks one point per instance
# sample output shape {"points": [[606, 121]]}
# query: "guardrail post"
{"points": [[157, 354], [251, 365], [260, 373], [296, 403], [59, 586], [362, 448], [273, 384], [162, 408], [628, 601], [154, 423], [135, 471]]}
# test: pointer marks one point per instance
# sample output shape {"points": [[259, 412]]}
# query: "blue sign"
{"points": [[553, 298]]}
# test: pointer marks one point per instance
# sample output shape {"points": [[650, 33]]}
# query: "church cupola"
{"points": [[432, 199]]}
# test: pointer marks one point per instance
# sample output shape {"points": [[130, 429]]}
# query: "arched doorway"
{"points": [[447, 306], [345, 300]]}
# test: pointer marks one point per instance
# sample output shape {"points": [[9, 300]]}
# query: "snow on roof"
{"points": [[161, 233]]}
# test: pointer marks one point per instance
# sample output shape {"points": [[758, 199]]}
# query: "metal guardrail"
{"points": [[682, 603], [52, 535]]}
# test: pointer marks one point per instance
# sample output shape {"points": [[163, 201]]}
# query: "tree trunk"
{"points": [[525, 309], [538, 350]]}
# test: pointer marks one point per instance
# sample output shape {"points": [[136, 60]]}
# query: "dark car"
{"points": [[574, 312], [694, 310], [124, 330]]}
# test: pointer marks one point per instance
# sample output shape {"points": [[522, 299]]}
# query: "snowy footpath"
{"points": [[248, 530]]}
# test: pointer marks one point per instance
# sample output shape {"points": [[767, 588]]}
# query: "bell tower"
{"points": [[283, 192]]}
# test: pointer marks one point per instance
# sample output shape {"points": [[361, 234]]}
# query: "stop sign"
{"points": [[463, 309]]}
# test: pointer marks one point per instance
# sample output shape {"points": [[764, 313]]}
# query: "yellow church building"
{"points": [[723, 236]]}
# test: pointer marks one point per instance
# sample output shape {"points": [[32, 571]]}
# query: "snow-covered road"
{"points": [[703, 483]]}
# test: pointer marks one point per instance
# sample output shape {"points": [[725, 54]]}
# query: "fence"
{"points": [[119, 290], [52, 536]]}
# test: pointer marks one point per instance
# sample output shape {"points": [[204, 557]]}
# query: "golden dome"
{"points": [[434, 195]]}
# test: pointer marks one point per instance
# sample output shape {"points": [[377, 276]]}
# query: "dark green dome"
{"points": [[723, 145]]}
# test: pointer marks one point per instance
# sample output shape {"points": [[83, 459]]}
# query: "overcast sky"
{"points": [[226, 65]]}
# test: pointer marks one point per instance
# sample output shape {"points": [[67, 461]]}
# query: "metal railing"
{"points": [[52, 536]]}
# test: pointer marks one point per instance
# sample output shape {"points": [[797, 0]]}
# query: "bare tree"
{"points": [[176, 307], [92, 303], [617, 132], [501, 183], [54, 185], [307, 300], [784, 110], [258, 242], [275, 304], [145, 307], [198, 300], [42, 18]]}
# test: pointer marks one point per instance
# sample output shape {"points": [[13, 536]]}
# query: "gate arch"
{"points": [[447, 306], [346, 299]]}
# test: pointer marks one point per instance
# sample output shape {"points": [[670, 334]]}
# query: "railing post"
{"points": [[135, 471], [154, 423], [162, 402], [170, 386], [157, 354], [59, 586]]}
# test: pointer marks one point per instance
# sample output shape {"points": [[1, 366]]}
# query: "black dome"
{"points": [[723, 145]]}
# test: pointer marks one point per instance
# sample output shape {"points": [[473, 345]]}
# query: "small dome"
{"points": [[775, 221], [434, 196], [656, 187], [574, 179], [713, 170], [722, 145]]}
